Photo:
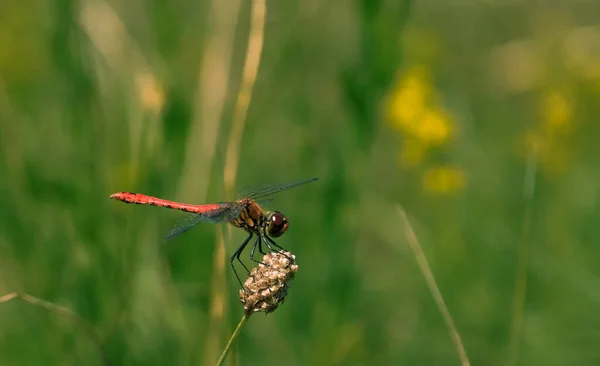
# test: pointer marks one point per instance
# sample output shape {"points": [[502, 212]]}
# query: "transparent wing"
{"points": [[256, 192], [265, 201], [224, 214]]}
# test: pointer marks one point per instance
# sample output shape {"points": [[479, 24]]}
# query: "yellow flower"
{"points": [[444, 180], [433, 127], [549, 142], [413, 110], [408, 98], [556, 111]]}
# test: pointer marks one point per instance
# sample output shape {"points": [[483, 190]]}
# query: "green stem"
{"points": [[235, 334]]}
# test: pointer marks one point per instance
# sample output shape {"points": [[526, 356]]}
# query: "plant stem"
{"points": [[433, 287], [235, 334]]}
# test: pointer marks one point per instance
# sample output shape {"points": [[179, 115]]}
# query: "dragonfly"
{"points": [[244, 213]]}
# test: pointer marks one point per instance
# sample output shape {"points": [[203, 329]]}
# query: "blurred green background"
{"points": [[479, 118]]}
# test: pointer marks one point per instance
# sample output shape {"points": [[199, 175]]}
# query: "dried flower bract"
{"points": [[267, 285]]}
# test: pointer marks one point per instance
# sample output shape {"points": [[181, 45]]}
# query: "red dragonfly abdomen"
{"points": [[143, 199]]}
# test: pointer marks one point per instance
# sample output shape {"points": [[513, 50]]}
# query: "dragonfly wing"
{"points": [[226, 213], [256, 192], [184, 225]]}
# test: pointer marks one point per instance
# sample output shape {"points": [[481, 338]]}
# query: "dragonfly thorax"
{"points": [[255, 220]]}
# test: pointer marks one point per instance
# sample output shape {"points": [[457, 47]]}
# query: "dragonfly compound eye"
{"points": [[278, 224]]}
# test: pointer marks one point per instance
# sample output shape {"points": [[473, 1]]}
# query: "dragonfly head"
{"points": [[277, 224]]}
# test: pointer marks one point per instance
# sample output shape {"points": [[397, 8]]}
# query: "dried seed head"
{"points": [[267, 285]]}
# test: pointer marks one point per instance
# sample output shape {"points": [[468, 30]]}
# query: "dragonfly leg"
{"points": [[239, 252], [268, 241], [257, 242], [260, 248], [236, 255]]}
